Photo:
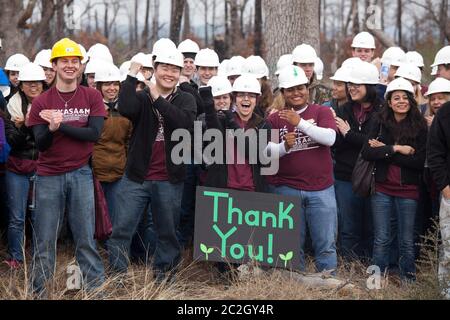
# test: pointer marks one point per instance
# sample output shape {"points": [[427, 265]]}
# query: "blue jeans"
{"points": [[143, 244], [185, 231], [355, 222], [164, 200], [72, 191], [319, 214], [110, 190], [17, 188], [384, 207]]}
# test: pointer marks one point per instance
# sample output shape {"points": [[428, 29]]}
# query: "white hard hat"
{"points": [[410, 72], [84, 53], [247, 83], [439, 85], [222, 70], [108, 73], [434, 71], [100, 52], [442, 57], [292, 76], [31, 72], [284, 61], [342, 74], [94, 64], [394, 56], [304, 53], [220, 86], [207, 58], [188, 46], [143, 59], [364, 73], [364, 40], [318, 68], [351, 62], [162, 45], [415, 58], [43, 58], [399, 84], [256, 66], [235, 65], [15, 62], [170, 56]]}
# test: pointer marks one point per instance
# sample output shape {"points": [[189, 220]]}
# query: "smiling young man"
{"points": [[66, 121], [151, 177], [363, 46], [306, 168]]}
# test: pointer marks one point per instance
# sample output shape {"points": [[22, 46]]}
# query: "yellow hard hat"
{"points": [[66, 48]]}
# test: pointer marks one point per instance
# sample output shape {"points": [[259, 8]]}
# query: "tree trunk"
{"points": [[241, 17], [213, 22], [234, 21], [355, 17], [47, 37], [175, 20], [105, 23], [155, 27], [399, 22], [136, 24], [205, 5], [258, 29], [187, 21], [12, 38], [60, 25], [300, 24], [443, 18], [145, 33], [227, 30]]}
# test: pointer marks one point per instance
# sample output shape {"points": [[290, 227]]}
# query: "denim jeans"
{"points": [[355, 222], [319, 214], [143, 244], [383, 208], [3, 210], [72, 192], [185, 231], [17, 188], [110, 190], [164, 200]]}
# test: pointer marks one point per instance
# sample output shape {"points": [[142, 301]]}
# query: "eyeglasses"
{"points": [[353, 85], [247, 95]]}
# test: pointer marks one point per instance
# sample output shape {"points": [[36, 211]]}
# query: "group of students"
{"points": [[72, 115]]}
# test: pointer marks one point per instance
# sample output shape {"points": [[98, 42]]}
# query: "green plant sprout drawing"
{"points": [[287, 257], [205, 250]]}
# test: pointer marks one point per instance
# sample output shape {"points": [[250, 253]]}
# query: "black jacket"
{"points": [[192, 88], [179, 113], [217, 175], [439, 148], [346, 150], [411, 166], [21, 140]]}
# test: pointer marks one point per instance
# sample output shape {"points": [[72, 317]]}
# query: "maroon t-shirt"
{"points": [[157, 170], [66, 154], [240, 176], [393, 186], [21, 166], [308, 166]]}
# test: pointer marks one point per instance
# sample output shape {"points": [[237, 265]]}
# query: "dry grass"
{"points": [[198, 280]]}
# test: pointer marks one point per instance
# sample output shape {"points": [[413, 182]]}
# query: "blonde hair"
{"points": [[429, 112]]}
